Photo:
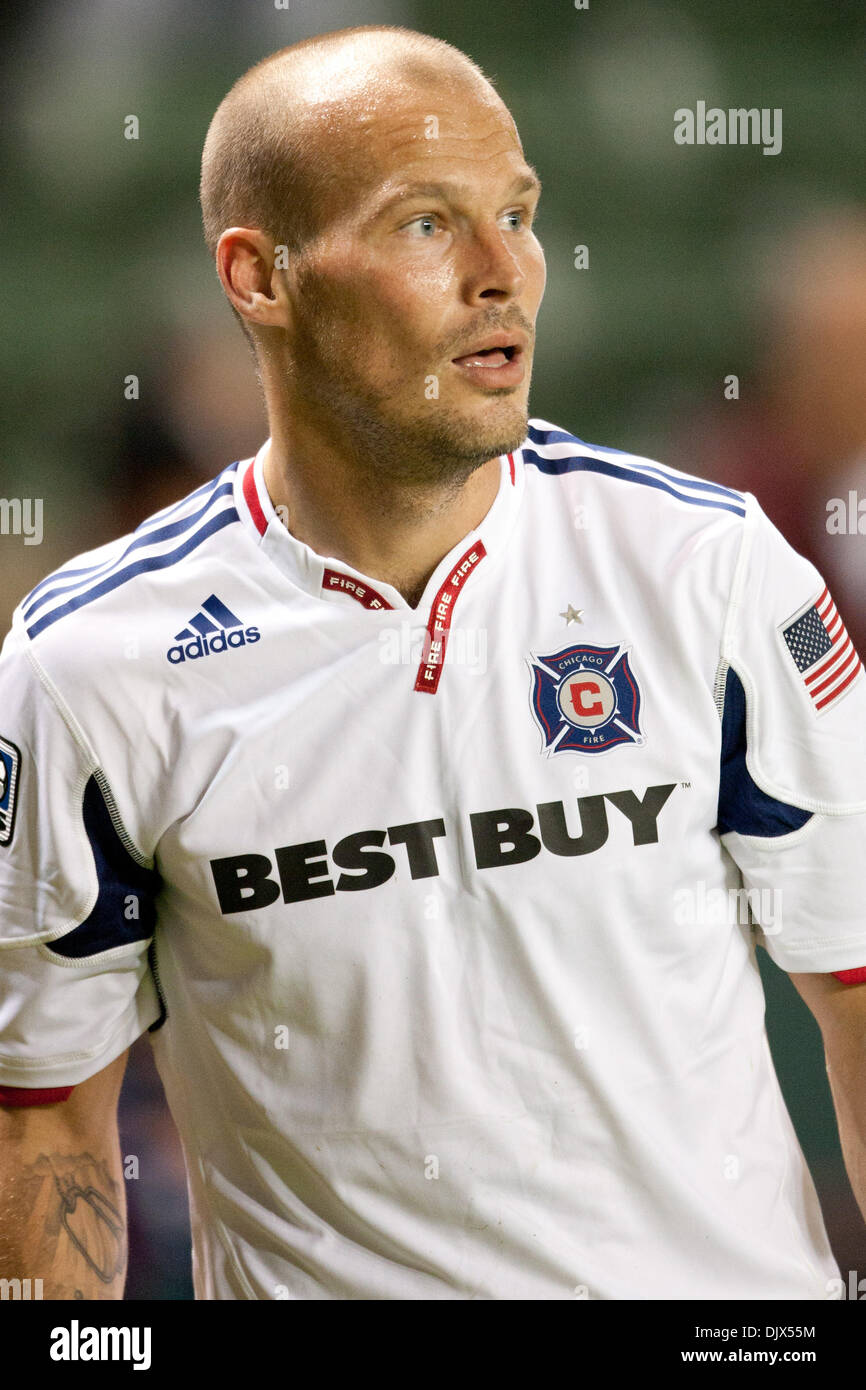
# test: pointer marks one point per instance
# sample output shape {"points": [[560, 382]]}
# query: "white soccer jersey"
{"points": [[453, 987]]}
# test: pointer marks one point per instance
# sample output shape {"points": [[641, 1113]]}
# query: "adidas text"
{"points": [[211, 646]]}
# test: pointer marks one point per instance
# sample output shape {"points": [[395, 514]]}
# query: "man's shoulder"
{"points": [[629, 481], [134, 580]]}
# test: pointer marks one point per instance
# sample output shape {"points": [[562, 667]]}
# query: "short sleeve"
{"points": [[792, 787], [77, 901]]}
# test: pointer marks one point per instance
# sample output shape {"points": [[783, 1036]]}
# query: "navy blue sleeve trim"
{"points": [[125, 909], [743, 807], [154, 970]]}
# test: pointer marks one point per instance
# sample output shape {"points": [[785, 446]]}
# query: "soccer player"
{"points": [[423, 784]]}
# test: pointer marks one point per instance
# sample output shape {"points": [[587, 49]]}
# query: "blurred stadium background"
{"points": [[703, 262]]}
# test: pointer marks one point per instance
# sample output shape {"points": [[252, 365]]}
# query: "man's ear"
{"points": [[252, 271]]}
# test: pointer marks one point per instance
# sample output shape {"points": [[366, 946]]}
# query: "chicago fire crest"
{"points": [[585, 699]]}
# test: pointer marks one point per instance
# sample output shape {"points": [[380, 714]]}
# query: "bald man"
{"points": [[386, 431], [456, 769]]}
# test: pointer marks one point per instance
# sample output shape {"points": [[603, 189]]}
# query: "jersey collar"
{"points": [[334, 581]]}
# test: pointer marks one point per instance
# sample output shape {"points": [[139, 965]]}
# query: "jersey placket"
{"points": [[335, 580]]}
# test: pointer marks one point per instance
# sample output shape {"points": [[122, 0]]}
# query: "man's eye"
{"points": [[519, 217], [425, 226]]}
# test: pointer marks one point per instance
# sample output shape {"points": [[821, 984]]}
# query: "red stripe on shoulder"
{"points": [[28, 1095], [852, 977]]}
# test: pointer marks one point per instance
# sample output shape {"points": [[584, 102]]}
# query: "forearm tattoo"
{"points": [[79, 1207]]}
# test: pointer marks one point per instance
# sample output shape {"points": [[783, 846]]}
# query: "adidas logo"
{"points": [[214, 629]]}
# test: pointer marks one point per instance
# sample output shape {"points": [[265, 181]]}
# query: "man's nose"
{"points": [[492, 269]]}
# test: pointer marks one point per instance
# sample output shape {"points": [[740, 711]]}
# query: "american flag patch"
{"points": [[822, 651]]}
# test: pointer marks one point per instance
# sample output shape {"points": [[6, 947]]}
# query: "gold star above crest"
{"points": [[572, 615]]}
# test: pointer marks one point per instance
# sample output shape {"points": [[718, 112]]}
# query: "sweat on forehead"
{"points": [[289, 126]]}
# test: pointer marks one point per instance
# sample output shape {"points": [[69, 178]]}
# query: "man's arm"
{"points": [[62, 1197], [840, 1012]]}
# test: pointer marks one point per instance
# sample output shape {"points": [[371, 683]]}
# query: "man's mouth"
{"points": [[489, 357], [499, 367]]}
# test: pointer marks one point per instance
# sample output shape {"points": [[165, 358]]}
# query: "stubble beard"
{"points": [[421, 455]]}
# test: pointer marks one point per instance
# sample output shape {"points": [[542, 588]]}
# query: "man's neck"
{"points": [[388, 530]]}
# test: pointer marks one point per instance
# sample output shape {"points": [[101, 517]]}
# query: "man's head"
{"points": [[389, 169]]}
